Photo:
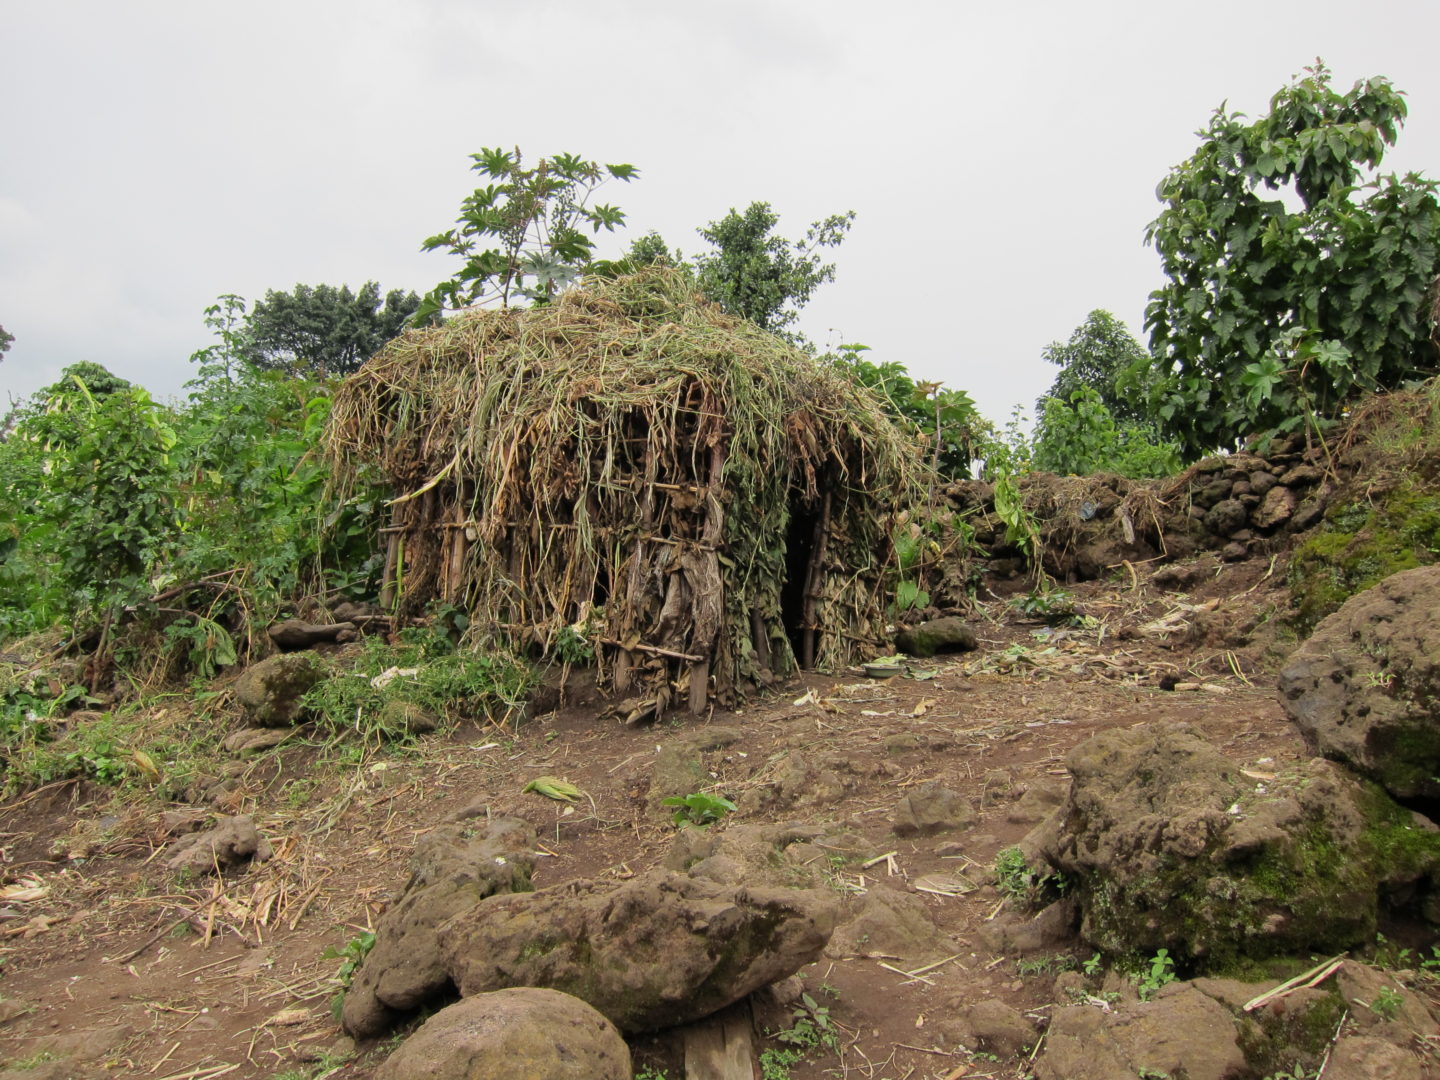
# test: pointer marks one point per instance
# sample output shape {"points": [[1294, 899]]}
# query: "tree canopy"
{"points": [[763, 277], [1099, 351], [321, 330], [536, 218], [1286, 305]]}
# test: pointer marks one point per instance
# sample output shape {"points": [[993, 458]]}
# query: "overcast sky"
{"points": [[1001, 157]]}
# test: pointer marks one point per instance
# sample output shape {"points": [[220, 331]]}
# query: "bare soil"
{"points": [[108, 954]]}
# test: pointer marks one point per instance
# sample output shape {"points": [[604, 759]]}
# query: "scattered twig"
{"points": [[931, 967]]}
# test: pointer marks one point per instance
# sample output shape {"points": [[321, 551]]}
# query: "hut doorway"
{"points": [[804, 554]]}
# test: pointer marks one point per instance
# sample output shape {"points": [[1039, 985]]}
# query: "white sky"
{"points": [[1002, 157]]}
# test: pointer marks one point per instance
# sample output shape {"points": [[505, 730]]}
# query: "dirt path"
{"points": [[109, 959]]}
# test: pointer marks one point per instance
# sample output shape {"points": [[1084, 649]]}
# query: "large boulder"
{"points": [[510, 1034], [1181, 1033], [1165, 843], [452, 870], [662, 949], [1365, 688], [272, 691], [944, 635]]}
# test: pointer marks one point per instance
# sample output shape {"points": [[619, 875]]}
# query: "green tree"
{"points": [[321, 330], [943, 420], [107, 487], [762, 277], [535, 221], [6, 340], [1279, 310], [1098, 353], [1079, 435]]}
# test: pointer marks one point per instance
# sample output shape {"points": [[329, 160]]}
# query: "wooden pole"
{"points": [[813, 574]]}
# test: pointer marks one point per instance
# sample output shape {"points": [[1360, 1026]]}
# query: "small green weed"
{"points": [[1161, 972], [698, 809], [775, 1063], [651, 1073], [1044, 965], [1092, 967], [1017, 880], [326, 1065], [1054, 607], [34, 1061], [812, 1028], [1387, 1003], [351, 955]]}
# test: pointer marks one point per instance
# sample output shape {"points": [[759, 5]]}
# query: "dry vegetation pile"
{"points": [[631, 473]]}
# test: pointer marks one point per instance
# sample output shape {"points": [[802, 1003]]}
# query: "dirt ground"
{"points": [[108, 959]]}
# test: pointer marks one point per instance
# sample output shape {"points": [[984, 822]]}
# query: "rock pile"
{"points": [[668, 947], [1235, 504]]}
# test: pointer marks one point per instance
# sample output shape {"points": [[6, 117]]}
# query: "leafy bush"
{"points": [[426, 670], [944, 420], [197, 524], [699, 809], [1079, 436], [1272, 313]]}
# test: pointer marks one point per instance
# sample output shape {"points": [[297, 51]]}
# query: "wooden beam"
{"points": [[721, 1046]]}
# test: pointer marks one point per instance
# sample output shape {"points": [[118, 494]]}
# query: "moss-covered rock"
{"points": [[1362, 542], [1365, 688], [1167, 844], [272, 692]]}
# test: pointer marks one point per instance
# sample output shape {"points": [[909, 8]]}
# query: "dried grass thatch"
{"points": [[694, 497]]}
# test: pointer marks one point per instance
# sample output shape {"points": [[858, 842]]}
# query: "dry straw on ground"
{"points": [[701, 502]]}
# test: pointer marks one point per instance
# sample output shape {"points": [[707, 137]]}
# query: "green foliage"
{"points": [[40, 744], [1361, 543], [812, 1027], [698, 809], [1160, 972], [1018, 881], [1099, 352], [424, 670], [1079, 437], [6, 340], [1387, 1004], [1030, 967], [1271, 312], [199, 523], [351, 955], [762, 277], [944, 421], [776, 1063], [1053, 606], [103, 494], [1008, 451], [1021, 528], [319, 330], [535, 219]]}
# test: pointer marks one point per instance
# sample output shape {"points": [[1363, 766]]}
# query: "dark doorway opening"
{"points": [[799, 553]]}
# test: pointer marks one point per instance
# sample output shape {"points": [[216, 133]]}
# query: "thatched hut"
{"points": [[631, 471]]}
